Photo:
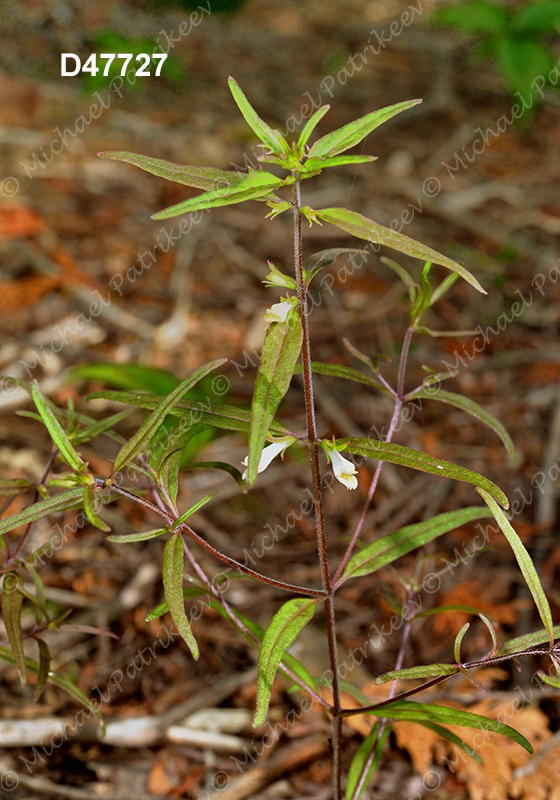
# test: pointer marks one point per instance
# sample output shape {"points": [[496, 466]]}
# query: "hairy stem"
{"points": [[313, 450]]}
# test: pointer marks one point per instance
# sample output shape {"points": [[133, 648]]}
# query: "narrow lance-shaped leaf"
{"points": [[257, 184], [56, 680], [280, 351], [168, 473], [103, 426], [224, 467], [472, 408], [141, 536], [359, 762], [141, 439], [281, 632], [218, 415], [15, 486], [525, 564], [340, 371], [44, 668], [173, 560], [407, 279], [288, 660], [527, 640], [194, 509], [352, 134], [440, 715], [206, 178], [406, 457], [273, 139], [12, 601], [398, 543], [59, 502], [310, 126], [58, 435], [364, 228], [416, 673], [313, 164]]}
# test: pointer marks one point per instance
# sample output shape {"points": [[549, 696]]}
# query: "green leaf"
{"points": [[91, 504], [458, 641], [485, 18], [58, 435], [414, 459], [360, 759], [527, 640], [258, 183], [453, 738], [141, 439], [315, 164], [142, 536], [103, 426], [173, 559], [403, 275], [472, 408], [525, 563], [324, 258], [168, 473], [281, 632], [540, 17], [57, 680], [217, 415], [364, 228], [440, 715], [272, 138], [310, 126], [15, 486], [352, 134], [520, 61], [44, 668], [188, 593], [12, 601], [416, 673], [280, 351], [206, 178], [403, 541], [339, 371], [288, 660], [59, 502], [549, 679], [194, 508], [453, 607], [424, 295], [444, 287]]}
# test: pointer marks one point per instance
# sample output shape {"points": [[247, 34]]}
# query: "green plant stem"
{"points": [[231, 562], [239, 623], [313, 450], [399, 397]]}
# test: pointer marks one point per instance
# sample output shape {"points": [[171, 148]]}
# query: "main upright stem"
{"points": [[313, 449]]}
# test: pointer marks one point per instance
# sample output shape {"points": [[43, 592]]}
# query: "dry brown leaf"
{"points": [[17, 222]]}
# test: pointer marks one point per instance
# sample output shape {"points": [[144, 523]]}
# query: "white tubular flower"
{"points": [[344, 470], [269, 453], [279, 311]]}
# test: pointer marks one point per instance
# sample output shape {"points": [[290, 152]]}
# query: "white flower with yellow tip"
{"points": [[279, 311], [344, 470], [269, 453]]}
